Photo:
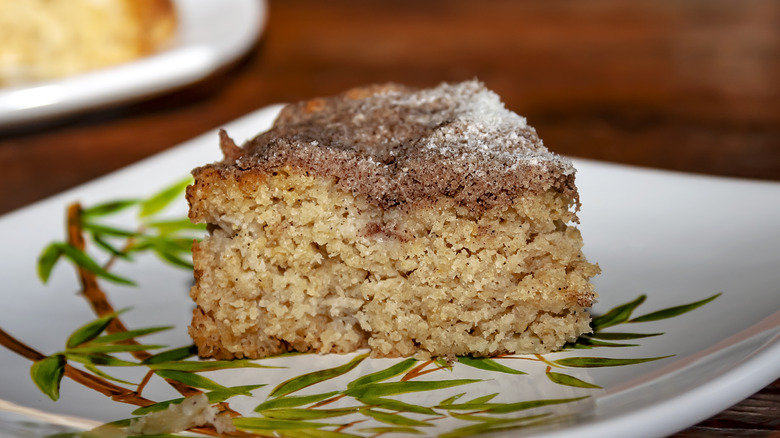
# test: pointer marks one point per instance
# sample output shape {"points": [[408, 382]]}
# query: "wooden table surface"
{"points": [[689, 85]]}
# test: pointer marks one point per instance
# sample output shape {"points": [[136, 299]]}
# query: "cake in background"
{"points": [[47, 39]]}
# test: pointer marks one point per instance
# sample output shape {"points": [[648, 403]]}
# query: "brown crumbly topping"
{"points": [[399, 147]]}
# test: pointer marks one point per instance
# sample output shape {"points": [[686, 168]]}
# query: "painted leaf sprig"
{"points": [[368, 404], [169, 239], [86, 346], [90, 346], [56, 250], [91, 330], [598, 338], [47, 373], [622, 315]]}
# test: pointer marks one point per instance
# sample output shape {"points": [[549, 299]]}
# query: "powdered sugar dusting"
{"points": [[471, 121]]}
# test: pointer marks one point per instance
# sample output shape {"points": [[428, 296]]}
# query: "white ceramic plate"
{"points": [[676, 238], [210, 35]]}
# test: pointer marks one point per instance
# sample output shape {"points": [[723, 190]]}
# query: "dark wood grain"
{"points": [[688, 85]]}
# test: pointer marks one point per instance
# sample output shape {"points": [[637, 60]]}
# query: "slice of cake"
{"points": [[429, 222]]}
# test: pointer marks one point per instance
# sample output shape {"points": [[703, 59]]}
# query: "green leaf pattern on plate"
{"points": [[339, 401], [300, 382], [483, 363], [673, 311]]}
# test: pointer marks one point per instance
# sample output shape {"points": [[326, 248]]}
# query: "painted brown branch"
{"points": [[89, 285], [145, 380], [327, 402], [100, 304], [414, 372], [344, 427], [98, 384], [420, 370], [544, 360], [18, 347], [97, 298], [91, 381]]}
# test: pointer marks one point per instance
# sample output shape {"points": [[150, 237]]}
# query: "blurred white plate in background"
{"points": [[210, 35]]}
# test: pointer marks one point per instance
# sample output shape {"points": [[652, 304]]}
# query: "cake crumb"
{"points": [[192, 412]]}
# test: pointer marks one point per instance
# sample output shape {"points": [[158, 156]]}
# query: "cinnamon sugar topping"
{"points": [[397, 146]]}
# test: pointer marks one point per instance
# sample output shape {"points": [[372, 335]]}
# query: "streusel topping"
{"points": [[403, 147]]}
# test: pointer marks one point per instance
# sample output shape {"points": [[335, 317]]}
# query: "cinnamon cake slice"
{"points": [[429, 222]]}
